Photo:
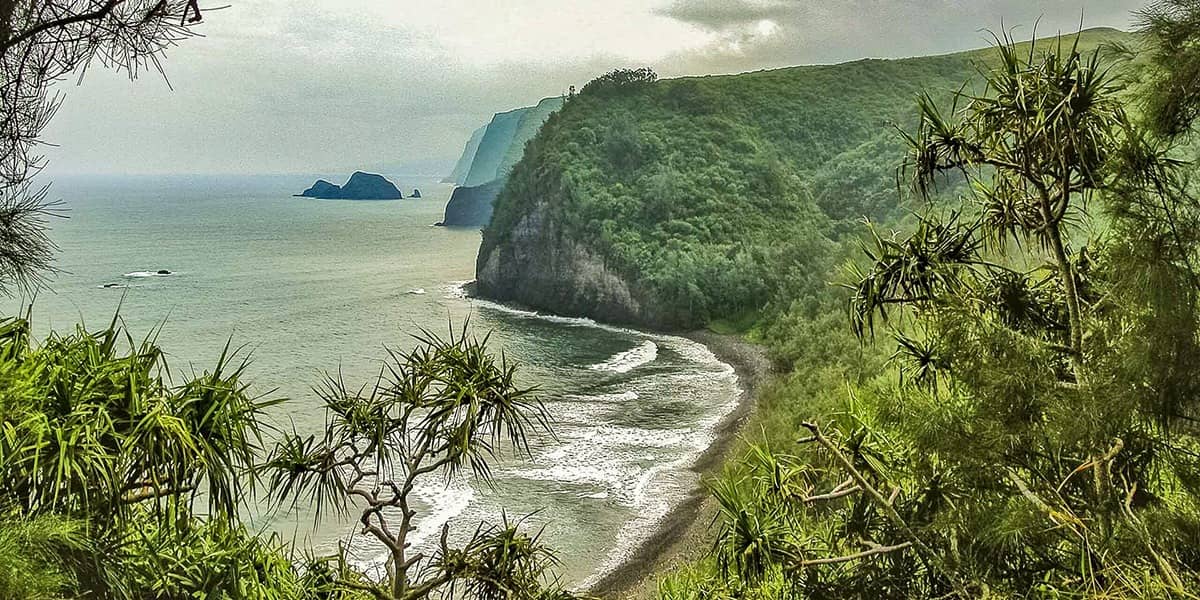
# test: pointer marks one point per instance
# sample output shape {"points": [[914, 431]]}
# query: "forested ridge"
{"points": [[707, 194], [988, 387]]}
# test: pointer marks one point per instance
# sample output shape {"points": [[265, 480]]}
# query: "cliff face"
{"points": [[463, 167], [503, 142], [500, 132], [539, 268], [487, 160], [472, 206]]}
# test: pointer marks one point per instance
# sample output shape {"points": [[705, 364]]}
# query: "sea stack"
{"points": [[361, 186], [416, 194], [322, 189]]}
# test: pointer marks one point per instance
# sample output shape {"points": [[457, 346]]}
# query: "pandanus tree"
{"points": [[93, 430], [1046, 134], [440, 411], [118, 482], [1037, 440]]}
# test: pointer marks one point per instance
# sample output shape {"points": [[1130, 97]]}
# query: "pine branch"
{"points": [[95, 15]]}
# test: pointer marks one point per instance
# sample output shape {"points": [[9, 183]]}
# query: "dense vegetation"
{"points": [[1016, 416], [118, 482], [120, 485], [709, 194], [1007, 409]]}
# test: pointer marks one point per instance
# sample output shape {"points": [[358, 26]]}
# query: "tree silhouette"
{"points": [[42, 43], [443, 408]]}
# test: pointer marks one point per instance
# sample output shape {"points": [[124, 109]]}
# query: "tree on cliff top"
{"points": [[618, 79]]}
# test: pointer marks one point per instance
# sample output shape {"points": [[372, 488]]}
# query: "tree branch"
{"points": [[95, 15], [875, 549], [149, 493], [888, 509], [841, 491]]}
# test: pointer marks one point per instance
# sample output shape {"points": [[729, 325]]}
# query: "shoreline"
{"points": [[682, 534], [674, 540]]}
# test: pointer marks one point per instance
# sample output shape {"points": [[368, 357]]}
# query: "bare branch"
{"points": [[875, 550]]}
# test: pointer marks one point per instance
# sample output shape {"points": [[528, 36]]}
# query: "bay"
{"points": [[306, 287]]}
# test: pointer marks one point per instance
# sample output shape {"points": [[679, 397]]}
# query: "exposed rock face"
{"points": [[472, 206], [362, 186], [536, 267], [415, 194], [322, 189]]}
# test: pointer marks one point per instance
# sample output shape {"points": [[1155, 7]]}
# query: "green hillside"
{"points": [[692, 193]]}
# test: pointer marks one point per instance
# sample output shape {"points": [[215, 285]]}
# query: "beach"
{"points": [[684, 533]]}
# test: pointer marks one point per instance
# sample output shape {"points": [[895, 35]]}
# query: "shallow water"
{"points": [[310, 286]]}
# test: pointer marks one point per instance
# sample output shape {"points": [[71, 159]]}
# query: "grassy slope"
{"points": [[709, 192]]}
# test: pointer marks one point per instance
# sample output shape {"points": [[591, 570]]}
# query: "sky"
{"points": [[318, 86]]}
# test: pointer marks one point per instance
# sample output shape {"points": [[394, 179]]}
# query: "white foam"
{"points": [[624, 362], [628, 396], [456, 289], [417, 292], [144, 274], [648, 470], [609, 457], [445, 503]]}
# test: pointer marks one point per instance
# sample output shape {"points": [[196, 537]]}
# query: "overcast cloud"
{"points": [[303, 86]]}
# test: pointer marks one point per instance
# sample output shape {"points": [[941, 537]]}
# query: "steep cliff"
{"points": [[459, 175], [487, 160], [504, 141], [670, 203], [472, 206], [541, 268]]}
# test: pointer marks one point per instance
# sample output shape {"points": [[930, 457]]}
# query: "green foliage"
{"points": [[1172, 27], [446, 406], [35, 553], [1032, 434], [709, 194], [121, 485], [92, 428]]}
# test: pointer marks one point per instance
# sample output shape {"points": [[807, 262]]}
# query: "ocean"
{"points": [[307, 287]]}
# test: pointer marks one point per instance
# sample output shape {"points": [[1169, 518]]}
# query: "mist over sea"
{"points": [[306, 287]]}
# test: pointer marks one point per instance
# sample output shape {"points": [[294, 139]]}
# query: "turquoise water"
{"points": [[311, 286]]}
